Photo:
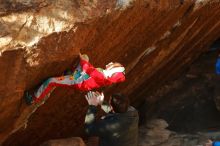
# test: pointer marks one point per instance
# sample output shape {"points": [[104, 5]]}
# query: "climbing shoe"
{"points": [[28, 98], [68, 72]]}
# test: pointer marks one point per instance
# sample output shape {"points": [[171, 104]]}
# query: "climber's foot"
{"points": [[68, 72], [28, 98]]}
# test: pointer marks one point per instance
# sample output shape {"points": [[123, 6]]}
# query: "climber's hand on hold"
{"points": [[94, 98], [84, 57], [80, 55]]}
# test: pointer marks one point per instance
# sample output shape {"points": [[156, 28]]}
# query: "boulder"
{"points": [[154, 40]]}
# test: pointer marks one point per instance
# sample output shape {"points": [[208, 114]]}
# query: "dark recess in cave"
{"points": [[188, 104]]}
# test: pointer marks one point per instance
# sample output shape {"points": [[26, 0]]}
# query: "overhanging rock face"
{"points": [[155, 40]]}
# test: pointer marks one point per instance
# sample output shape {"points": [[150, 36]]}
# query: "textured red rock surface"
{"points": [[155, 40]]}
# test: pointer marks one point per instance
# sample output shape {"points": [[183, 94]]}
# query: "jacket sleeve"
{"points": [[90, 118], [99, 127], [90, 122], [90, 69], [106, 107], [86, 66]]}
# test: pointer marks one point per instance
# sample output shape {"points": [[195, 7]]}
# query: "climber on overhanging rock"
{"points": [[119, 127], [217, 65], [85, 78]]}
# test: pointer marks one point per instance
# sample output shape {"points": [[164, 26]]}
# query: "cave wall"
{"points": [[155, 40]]}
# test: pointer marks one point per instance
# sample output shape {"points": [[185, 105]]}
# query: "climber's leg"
{"points": [[51, 83]]}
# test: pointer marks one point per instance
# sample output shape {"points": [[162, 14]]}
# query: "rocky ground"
{"points": [[154, 133]]}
